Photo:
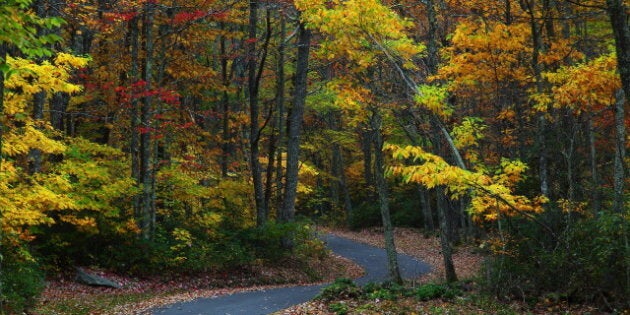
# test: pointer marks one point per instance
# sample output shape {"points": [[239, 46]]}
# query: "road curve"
{"points": [[372, 259]]}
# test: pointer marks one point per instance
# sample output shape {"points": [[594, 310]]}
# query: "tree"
{"points": [[362, 33], [295, 123]]}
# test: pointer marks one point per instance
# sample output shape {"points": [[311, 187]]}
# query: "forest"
{"points": [[151, 136]]}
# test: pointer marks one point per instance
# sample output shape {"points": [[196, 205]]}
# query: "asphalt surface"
{"points": [[372, 259]]}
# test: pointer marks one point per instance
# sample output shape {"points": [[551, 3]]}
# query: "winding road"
{"points": [[372, 259]]}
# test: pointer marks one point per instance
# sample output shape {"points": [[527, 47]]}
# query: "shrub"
{"points": [[342, 288], [586, 262], [432, 291], [385, 291], [21, 280], [338, 308]]}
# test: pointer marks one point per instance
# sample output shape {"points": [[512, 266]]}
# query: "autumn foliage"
{"points": [[142, 135]]}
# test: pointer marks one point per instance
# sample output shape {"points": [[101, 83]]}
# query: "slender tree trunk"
{"points": [[341, 190], [345, 191], [381, 187], [618, 13], [35, 155], [58, 106], [225, 104], [146, 170], [254, 131], [366, 146], [433, 44], [295, 124], [280, 100], [620, 153], [537, 39], [447, 250], [335, 171], [427, 216], [134, 141], [595, 195]]}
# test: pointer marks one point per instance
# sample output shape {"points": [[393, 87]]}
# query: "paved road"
{"points": [[372, 259]]}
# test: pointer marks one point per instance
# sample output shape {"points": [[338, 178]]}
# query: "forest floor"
{"points": [[63, 295]]}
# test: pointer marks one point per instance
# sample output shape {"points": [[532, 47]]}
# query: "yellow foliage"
{"points": [[490, 194], [356, 29], [434, 98], [583, 87], [468, 133], [484, 54]]}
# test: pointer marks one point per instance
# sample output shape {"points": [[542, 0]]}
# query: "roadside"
{"points": [[64, 296], [419, 297], [466, 258]]}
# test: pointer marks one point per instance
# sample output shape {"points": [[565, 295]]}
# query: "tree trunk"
{"points": [[147, 206], [35, 155], [58, 106], [445, 243], [595, 194], [280, 99], [618, 13], [254, 130], [381, 187], [432, 45], [542, 121], [340, 184], [366, 146], [295, 124], [427, 216], [134, 141], [620, 153], [225, 104]]}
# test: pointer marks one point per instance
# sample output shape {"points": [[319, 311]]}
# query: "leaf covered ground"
{"points": [[65, 296]]}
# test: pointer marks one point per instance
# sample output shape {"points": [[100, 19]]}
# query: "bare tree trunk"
{"points": [[427, 216], [225, 102], [295, 124], [58, 106], [254, 131], [134, 141], [433, 45], [35, 155], [537, 39], [366, 146], [146, 170], [618, 13], [595, 194], [280, 76], [620, 153], [447, 250], [345, 191], [341, 190], [381, 187]]}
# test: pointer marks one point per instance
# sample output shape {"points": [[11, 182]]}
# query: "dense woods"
{"points": [[139, 136]]}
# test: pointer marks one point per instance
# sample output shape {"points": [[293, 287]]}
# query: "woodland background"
{"points": [[202, 135]]}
